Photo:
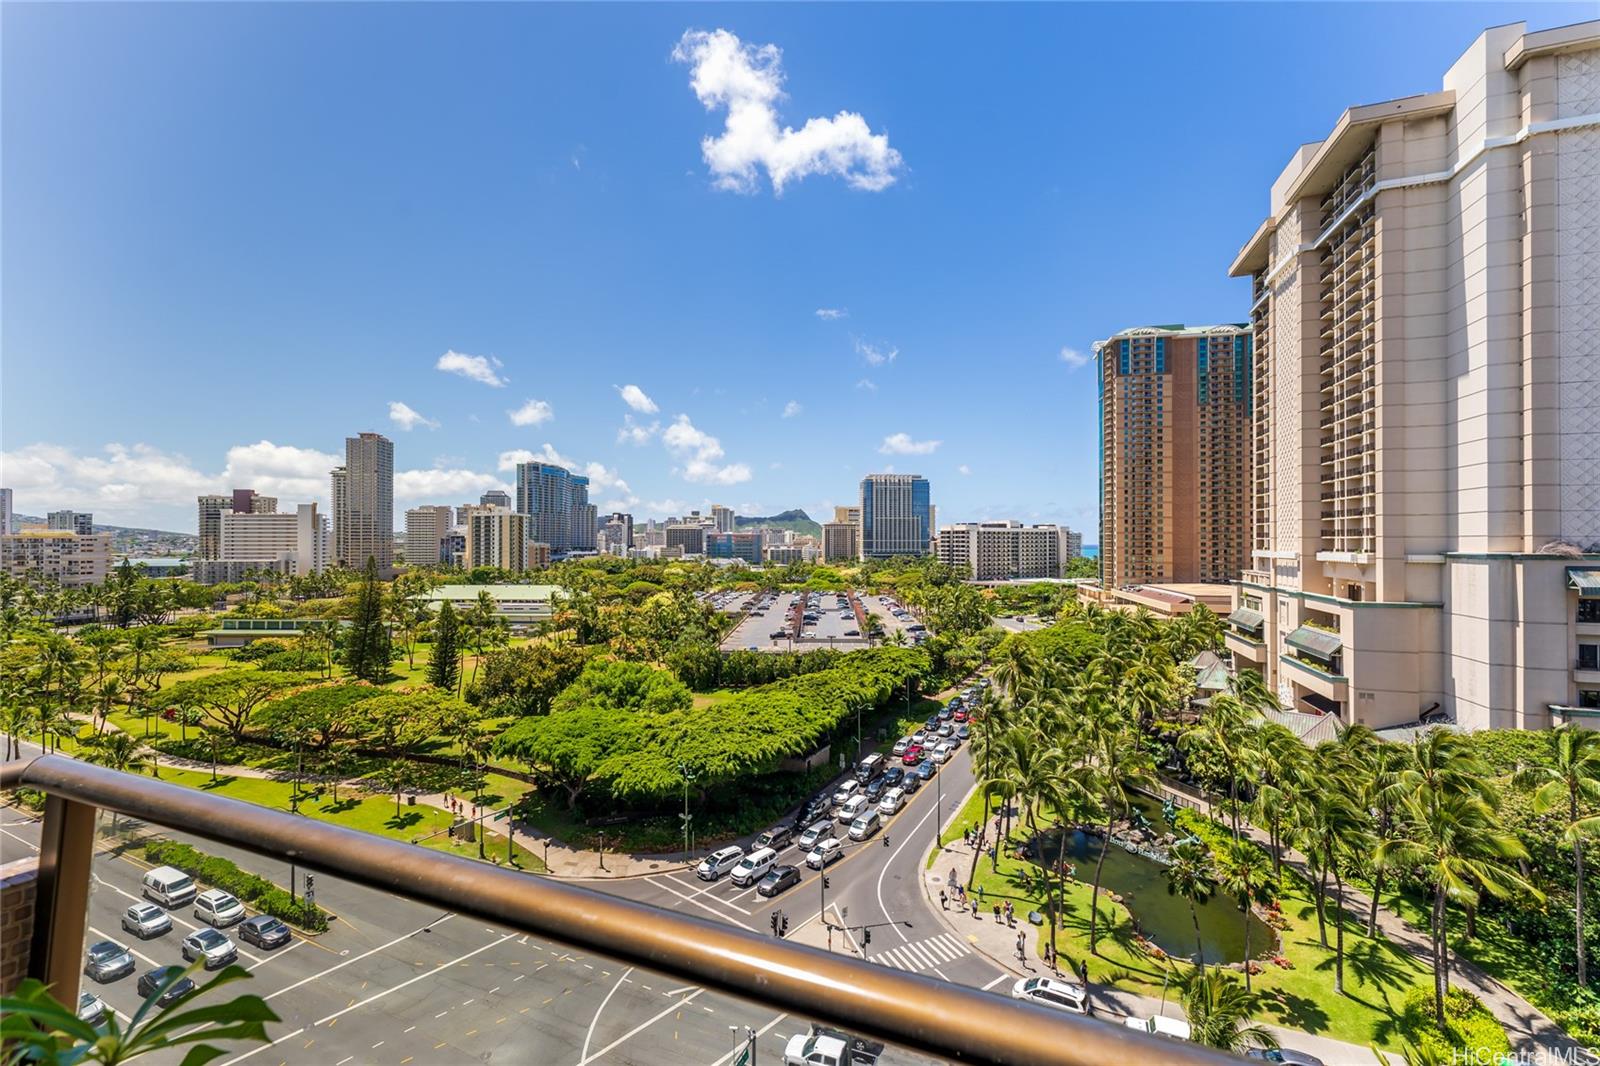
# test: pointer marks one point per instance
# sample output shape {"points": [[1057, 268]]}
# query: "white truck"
{"points": [[830, 1047]]}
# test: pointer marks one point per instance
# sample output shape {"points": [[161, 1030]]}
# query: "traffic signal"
{"points": [[866, 937], [774, 922], [784, 929], [825, 885]]}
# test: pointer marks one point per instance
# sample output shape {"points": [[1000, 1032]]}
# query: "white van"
{"points": [[942, 752], [754, 866], [864, 826], [852, 809], [872, 766], [719, 862], [169, 886]]}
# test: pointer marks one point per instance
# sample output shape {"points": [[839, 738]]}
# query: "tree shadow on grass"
{"points": [[221, 782], [1376, 963], [346, 804], [404, 821], [1298, 1012]]}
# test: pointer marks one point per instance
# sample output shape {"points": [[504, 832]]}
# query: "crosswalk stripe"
{"points": [[955, 945], [925, 958], [942, 951], [904, 959]]}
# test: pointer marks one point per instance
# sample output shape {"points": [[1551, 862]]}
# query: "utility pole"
{"points": [[688, 776]]}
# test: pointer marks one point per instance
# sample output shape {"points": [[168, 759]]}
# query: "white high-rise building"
{"points": [[7, 516], [1001, 551], [723, 518], [79, 522], [363, 503], [71, 559], [298, 542], [426, 529], [1426, 426]]}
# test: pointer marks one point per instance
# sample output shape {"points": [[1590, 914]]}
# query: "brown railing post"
{"points": [[66, 855]]}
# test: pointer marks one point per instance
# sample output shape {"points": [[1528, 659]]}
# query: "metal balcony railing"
{"points": [[936, 1018]]}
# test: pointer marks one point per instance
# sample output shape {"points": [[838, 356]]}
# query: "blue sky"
{"points": [[236, 233]]}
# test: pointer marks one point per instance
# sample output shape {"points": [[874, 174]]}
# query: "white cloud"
{"points": [[476, 367], [665, 507], [902, 444], [832, 314], [792, 408], [868, 384], [875, 355], [747, 80], [635, 433], [698, 450], [963, 469], [407, 419], [443, 485], [635, 397], [531, 413], [1073, 358]]}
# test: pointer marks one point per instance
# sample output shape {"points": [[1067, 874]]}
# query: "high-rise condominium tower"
{"points": [[426, 529], [722, 518], [1174, 463], [209, 516], [363, 503], [79, 522], [1426, 308], [556, 502], [896, 516]]}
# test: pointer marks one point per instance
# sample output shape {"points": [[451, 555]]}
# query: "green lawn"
{"points": [[1378, 974], [370, 813]]}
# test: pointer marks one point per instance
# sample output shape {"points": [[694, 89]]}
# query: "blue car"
{"points": [[925, 769]]}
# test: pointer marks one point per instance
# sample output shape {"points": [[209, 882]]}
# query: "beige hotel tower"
{"points": [[1426, 433]]}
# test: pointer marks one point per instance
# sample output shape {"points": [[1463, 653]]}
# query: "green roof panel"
{"points": [[1315, 642]]}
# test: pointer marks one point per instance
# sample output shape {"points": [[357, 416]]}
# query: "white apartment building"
{"points": [[72, 560], [1000, 551], [1426, 431], [299, 542], [426, 529], [7, 515], [723, 518], [79, 522]]}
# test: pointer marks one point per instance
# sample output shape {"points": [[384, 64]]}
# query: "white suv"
{"points": [[219, 908], [719, 862]]}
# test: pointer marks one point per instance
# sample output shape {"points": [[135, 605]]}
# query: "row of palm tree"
{"points": [[1074, 738]]}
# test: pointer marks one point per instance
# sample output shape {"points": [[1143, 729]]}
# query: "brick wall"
{"points": [[18, 881]]}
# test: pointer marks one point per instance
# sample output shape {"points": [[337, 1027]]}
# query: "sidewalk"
{"points": [[1529, 1030], [998, 942]]}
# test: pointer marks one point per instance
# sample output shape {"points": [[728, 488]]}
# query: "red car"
{"points": [[961, 715], [913, 755]]}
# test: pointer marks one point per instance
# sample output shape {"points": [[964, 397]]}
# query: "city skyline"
{"points": [[656, 355]]}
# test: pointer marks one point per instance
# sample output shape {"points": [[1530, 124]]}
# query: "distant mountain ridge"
{"points": [[793, 519]]}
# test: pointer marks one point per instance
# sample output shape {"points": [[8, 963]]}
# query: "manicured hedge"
{"points": [[220, 873]]}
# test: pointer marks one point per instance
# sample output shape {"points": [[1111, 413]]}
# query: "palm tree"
{"points": [[1252, 691], [1219, 1009], [16, 718], [1457, 844], [1070, 795], [1123, 768], [1225, 733], [1192, 875], [1246, 873], [1332, 829], [1281, 763], [1571, 779]]}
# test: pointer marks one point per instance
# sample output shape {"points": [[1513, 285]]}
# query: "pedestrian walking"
{"points": [[944, 901], [980, 893], [1022, 946], [953, 878], [977, 915], [1050, 957]]}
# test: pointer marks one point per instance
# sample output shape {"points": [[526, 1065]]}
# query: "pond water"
{"points": [[1159, 915]]}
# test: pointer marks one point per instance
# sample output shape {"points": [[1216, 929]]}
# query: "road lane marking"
{"points": [[442, 966], [636, 1030], [710, 909], [263, 1047], [761, 1032], [996, 981], [905, 839], [587, 1037], [358, 958]]}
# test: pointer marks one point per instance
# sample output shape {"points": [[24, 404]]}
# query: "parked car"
{"points": [[852, 808], [875, 788], [91, 1008], [894, 775], [870, 767], [926, 769], [946, 729], [865, 825], [919, 738], [942, 752], [814, 809], [945, 713], [753, 867], [719, 862], [932, 724], [145, 920], [892, 801], [1172, 1028], [814, 832], [216, 949], [846, 791], [151, 980], [108, 961], [963, 731], [960, 715], [1059, 995], [911, 783], [168, 886], [264, 931], [778, 878], [1287, 1056], [913, 755], [901, 745], [776, 838], [825, 852], [219, 908]]}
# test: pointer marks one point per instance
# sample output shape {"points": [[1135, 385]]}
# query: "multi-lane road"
{"points": [[395, 982]]}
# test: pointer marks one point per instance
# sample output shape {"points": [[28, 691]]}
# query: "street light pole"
{"points": [[688, 776]]}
